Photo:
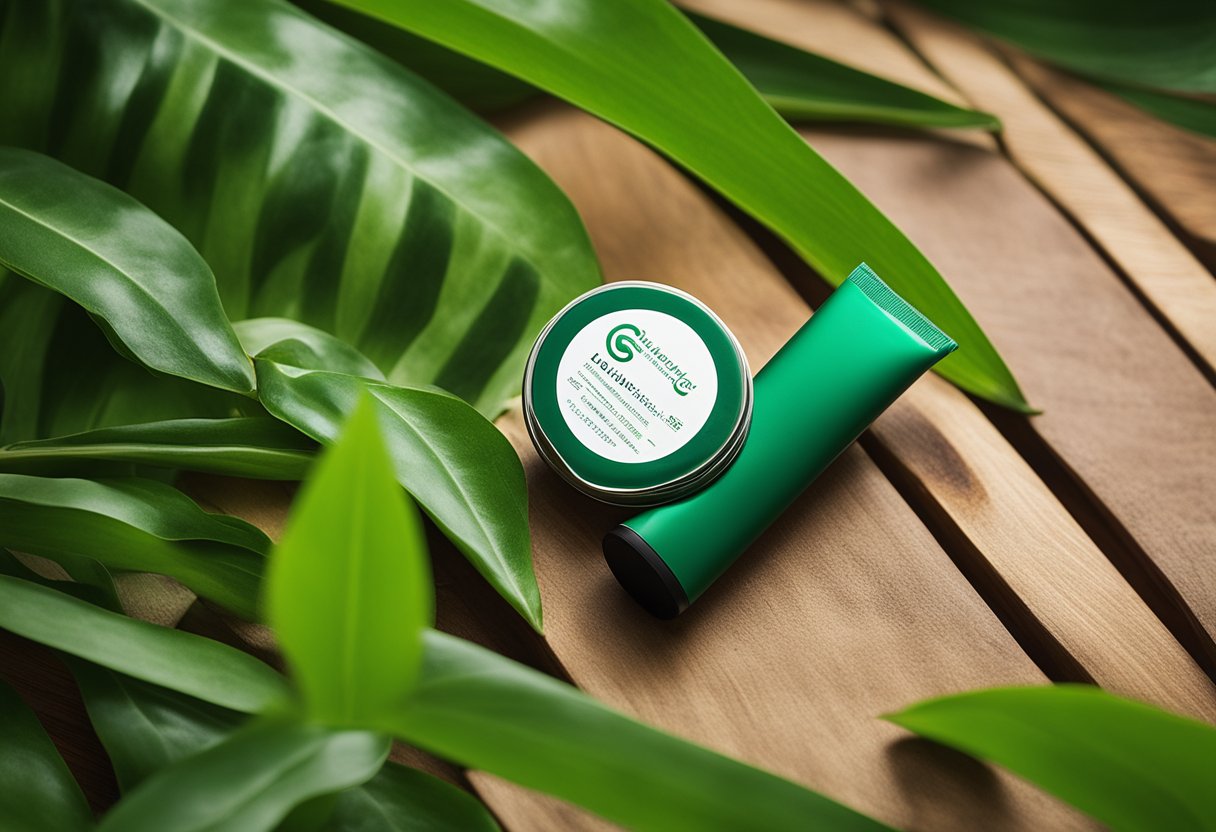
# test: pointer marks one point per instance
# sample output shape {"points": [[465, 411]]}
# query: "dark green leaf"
{"points": [[138, 525], [39, 793], [299, 345], [174, 659], [321, 181], [254, 446], [27, 321], [458, 466], [641, 65], [125, 265], [803, 86], [489, 713], [1169, 44], [1195, 114], [1130, 765], [401, 799], [349, 589], [250, 781]]}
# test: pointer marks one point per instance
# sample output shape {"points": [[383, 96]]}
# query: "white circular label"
{"points": [[636, 385]]}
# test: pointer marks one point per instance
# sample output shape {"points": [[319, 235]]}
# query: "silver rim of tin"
{"points": [[663, 492]]}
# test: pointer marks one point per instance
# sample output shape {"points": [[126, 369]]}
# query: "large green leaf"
{"points": [[1130, 765], [320, 180], [129, 268], [641, 65], [301, 345], [27, 321], [39, 793], [401, 799], [252, 780], [252, 446], [489, 713], [1168, 44], [458, 466], [174, 659], [349, 591], [139, 525]]}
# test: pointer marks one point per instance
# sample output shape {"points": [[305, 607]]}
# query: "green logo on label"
{"points": [[622, 347]]}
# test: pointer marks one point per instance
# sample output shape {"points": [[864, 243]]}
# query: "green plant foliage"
{"points": [[803, 86], [131, 270], [138, 525], [1167, 45], [458, 466], [401, 799], [492, 714], [27, 321], [252, 780], [250, 446], [1132, 766], [641, 65], [1195, 114], [349, 590], [321, 181], [300, 345], [39, 794], [174, 659]]}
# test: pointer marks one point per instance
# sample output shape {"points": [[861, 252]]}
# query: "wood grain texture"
{"points": [[847, 608], [1076, 177], [1174, 167]]}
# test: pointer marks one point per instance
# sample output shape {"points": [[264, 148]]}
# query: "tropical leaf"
{"points": [[400, 799], [27, 321], [461, 470], [641, 65], [138, 525], [300, 345], [252, 780], [1130, 765], [174, 659], [349, 589], [1167, 45], [321, 181], [130, 269], [39, 793], [251, 446]]}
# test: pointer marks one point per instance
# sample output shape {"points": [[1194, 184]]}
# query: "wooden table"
{"points": [[955, 547]]}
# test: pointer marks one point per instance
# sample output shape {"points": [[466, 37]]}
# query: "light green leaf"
{"points": [[461, 470], [641, 65], [252, 446], [321, 181], [252, 780], [349, 589], [487, 712], [1130, 765], [138, 525], [174, 659], [129, 268], [1167, 45], [300, 345], [39, 793]]}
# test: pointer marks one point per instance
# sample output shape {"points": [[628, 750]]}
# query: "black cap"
{"points": [[643, 574]]}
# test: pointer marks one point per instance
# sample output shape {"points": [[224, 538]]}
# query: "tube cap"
{"points": [[643, 574]]}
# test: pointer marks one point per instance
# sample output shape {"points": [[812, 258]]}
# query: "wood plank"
{"points": [[846, 609], [1175, 168], [1169, 277]]}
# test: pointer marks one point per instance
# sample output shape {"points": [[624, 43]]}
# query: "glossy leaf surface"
{"points": [[400, 799], [321, 181], [39, 793], [252, 446], [252, 780], [641, 65], [174, 659], [349, 587], [1130, 765], [492, 714], [138, 525], [459, 468], [129, 268]]}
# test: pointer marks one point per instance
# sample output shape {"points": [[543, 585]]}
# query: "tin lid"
{"points": [[636, 393]]}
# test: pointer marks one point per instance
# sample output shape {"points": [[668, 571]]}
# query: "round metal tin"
{"points": [[637, 394]]}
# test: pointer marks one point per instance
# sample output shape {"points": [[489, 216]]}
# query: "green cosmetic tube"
{"points": [[856, 355]]}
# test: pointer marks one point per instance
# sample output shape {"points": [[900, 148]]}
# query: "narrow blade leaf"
{"points": [[1130, 765], [680, 95], [489, 713], [39, 793], [252, 780], [461, 470], [349, 589], [174, 659], [125, 265]]}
